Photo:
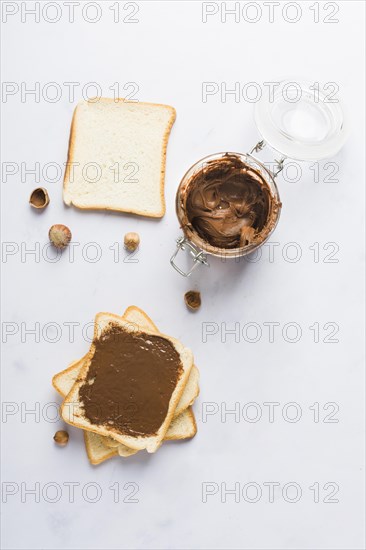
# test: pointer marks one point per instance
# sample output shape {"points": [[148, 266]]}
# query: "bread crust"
{"points": [[129, 311], [70, 369], [70, 155], [91, 454], [185, 435]]}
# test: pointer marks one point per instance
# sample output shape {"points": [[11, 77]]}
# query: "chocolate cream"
{"points": [[130, 381], [229, 204]]}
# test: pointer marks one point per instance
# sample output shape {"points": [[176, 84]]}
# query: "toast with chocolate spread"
{"points": [[183, 426], [130, 384]]}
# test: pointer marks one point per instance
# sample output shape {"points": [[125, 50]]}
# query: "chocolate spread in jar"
{"points": [[229, 204], [130, 381]]}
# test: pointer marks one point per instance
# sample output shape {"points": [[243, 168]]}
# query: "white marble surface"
{"points": [[169, 53]]}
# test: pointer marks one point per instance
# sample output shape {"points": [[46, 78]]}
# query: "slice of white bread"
{"points": [[99, 447], [72, 409], [117, 155], [182, 426]]}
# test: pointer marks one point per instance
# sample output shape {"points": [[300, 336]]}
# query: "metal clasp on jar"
{"points": [[199, 257], [279, 163]]}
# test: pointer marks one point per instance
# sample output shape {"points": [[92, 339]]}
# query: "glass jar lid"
{"points": [[302, 121]]}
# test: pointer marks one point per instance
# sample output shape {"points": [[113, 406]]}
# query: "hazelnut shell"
{"points": [[39, 198], [192, 299]]}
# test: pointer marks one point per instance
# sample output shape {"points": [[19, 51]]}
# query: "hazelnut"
{"points": [[59, 235], [39, 198], [131, 240], [192, 299], [61, 438]]}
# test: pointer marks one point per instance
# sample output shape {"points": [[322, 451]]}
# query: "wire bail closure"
{"points": [[279, 163], [199, 257]]}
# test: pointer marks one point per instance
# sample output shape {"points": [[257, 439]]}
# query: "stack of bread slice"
{"points": [[104, 441]]}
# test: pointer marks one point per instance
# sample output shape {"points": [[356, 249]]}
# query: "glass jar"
{"points": [[297, 122]]}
